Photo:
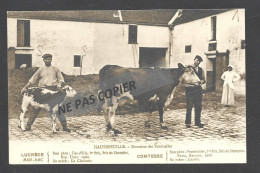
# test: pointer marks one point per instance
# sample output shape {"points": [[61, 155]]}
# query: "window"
{"points": [[77, 62], [23, 33], [188, 49], [243, 44], [212, 46], [213, 27], [21, 59], [132, 35]]}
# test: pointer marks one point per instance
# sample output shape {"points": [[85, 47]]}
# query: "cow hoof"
{"points": [[147, 124], [111, 132], [57, 129], [66, 129], [27, 129], [164, 127], [19, 126], [54, 132], [117, 132], [109, 127]]}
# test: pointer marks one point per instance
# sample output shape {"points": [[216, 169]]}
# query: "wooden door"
{"points": [[222, 60], [211, 77]]}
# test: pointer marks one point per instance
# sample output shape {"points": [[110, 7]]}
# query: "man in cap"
{"points": [[49, 77], [194, 95]]}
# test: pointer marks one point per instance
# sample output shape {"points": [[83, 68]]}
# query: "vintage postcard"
{"points": [[160, 86]]}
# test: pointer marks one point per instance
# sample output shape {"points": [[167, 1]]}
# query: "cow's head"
{"points": [[70, 92], [188, 75]]}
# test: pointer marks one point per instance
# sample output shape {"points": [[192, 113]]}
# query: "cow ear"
{"points": [[181, 67]]}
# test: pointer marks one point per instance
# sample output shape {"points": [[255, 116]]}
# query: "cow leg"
{"points": [[160, 107], [61, 118], [54, 125], [147, 123], [148, 109], [53, 121], [112, 115], [24, 108], [105, 110], [32, 118]]}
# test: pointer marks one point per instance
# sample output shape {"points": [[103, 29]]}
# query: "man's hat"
{"points": [[46, 56], [230, 66], [198, 58]]}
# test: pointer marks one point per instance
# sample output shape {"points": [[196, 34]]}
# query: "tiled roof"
{"points": [[146, 17], [190, 15]]}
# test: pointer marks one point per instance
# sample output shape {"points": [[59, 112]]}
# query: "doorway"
{"points": [[152, 57], [222, 61], [211, 75], [218, 63]]}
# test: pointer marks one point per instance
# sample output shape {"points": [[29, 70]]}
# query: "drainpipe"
{"points": [[170, 46], [120, 15], [84, 48], [177, 15]]}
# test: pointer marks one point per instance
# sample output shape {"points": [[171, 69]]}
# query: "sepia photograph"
{"points": [[152, 86]]}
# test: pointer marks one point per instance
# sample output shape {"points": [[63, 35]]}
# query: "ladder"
{"points": [[135, 54]]}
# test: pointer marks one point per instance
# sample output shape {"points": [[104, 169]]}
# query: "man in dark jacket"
{"points": [[194, 95]]}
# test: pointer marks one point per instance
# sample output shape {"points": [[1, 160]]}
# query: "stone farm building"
{"points": [[82, 42]]}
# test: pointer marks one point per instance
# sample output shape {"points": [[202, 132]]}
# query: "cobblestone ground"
{"points": [[223, 124]]}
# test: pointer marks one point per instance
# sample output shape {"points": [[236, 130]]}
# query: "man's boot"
{"points": [[64, 126]]}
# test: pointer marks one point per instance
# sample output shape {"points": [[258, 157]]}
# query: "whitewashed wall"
{"points": [[156, 37], [62, 39], [111, 43], [230, 32], [11, 32], [106, 43]]}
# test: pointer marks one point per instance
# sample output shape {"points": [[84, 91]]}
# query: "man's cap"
{"points": [[198, 58], [46, 56]]}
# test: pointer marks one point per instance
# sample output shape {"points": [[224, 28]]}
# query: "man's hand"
{"points": [[61, 84], [198, 83], [59, 87]]}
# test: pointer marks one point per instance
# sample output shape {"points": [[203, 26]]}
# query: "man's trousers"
{"points": [[193, 97]]}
